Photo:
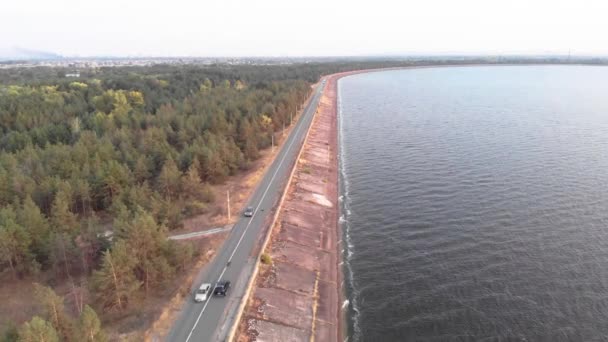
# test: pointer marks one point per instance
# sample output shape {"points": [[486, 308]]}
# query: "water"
{"points": [[475, 203]]}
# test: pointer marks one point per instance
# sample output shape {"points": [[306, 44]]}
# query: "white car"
{"points": [[202, 293]]}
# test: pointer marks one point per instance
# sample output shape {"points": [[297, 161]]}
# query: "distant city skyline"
{"points": [[188, 28]]}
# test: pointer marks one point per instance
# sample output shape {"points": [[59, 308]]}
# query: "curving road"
{"points": [[212, 320]]}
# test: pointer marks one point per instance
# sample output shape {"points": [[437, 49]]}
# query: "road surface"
{"points": [[212, 320]]}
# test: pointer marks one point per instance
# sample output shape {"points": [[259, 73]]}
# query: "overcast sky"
{"points": [[304, 28]]}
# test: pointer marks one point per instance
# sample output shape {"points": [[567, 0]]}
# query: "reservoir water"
{"points": [[475, 203]]}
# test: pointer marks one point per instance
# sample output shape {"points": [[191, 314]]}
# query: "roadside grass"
{"points": [[266, 259]]}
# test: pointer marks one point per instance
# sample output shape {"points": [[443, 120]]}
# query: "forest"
{"points": [[126, 151]]}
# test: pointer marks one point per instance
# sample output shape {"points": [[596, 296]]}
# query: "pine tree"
{"points": [[147, 241], [116, 177], [62, 218], [89, 327], [169, 178], [115, 284], [82, 192], [15, 244], [92, 242], [247, 139], [142, 169], [37, 330], [6, 192], [217, 168], [181, 255], [62, 254], [36, 224], [54, 311], [191, 181], [157, 271]]}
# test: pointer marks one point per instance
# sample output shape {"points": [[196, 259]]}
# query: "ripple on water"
{"points": [[475, 203]]}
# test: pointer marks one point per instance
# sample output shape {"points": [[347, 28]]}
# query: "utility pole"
{"points": [[228, 200], [290, 118], [272, 141]]}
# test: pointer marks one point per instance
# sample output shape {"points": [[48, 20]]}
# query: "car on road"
{"points": [[202, 293], [221, 288], [248, 212]]}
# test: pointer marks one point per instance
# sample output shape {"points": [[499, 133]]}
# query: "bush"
{"points": [[266, 259]]}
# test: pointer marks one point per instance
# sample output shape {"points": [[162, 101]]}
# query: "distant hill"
{"points": [[17, 53]]}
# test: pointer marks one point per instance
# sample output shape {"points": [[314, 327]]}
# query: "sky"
{"points": [[286, 28]]}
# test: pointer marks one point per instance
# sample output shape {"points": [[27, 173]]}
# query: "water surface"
{"points": [[476, 204]]}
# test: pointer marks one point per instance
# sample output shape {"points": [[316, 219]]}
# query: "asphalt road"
{"points": [[212, 319]]}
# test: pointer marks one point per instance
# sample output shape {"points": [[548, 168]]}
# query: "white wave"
{"points": [[351, 302]]}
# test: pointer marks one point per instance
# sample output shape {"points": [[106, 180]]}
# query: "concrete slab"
{"points": [[298, 255], [294, 278], [272, 332], [285, 307], [324, 331], [302, 236], [326, 309]]}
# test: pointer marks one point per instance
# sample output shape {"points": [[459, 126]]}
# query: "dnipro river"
{"points": [[475, 203]]}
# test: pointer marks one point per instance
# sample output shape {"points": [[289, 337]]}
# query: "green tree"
{"points": [[37, 226], [54, 309], [115, 284], [89, 327], [63, 254], [62, 218], [248, 140], [37, 330], [15, 244], [206, 85], [116, 177], [169, 178], [181, 255], [191, 181], [147, 242], [82, 194], [142, 169]]}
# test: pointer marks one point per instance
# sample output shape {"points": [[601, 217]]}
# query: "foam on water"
{"points": [[351, 290]]}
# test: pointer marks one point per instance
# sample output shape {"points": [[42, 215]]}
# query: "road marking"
{"points": [[248, 223]]}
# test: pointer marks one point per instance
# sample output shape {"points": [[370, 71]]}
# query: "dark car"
{"points": [[248, 212], [221, 288]]}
